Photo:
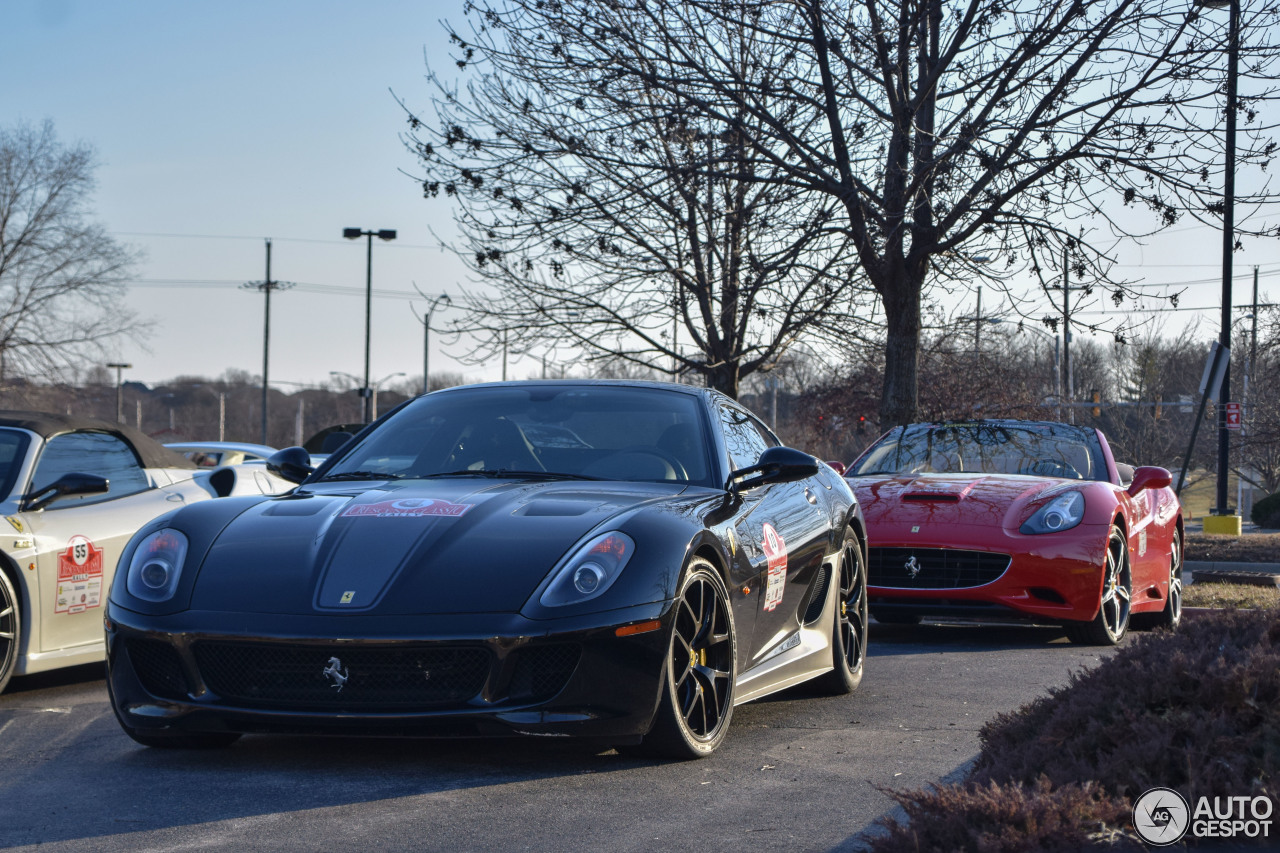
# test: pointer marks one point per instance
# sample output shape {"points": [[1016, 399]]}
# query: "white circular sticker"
{"points": [[79, 547], [1161, 816]]}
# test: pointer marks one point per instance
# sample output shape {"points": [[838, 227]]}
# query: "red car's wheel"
{"points": [[1171, 616], [1109, 626]]}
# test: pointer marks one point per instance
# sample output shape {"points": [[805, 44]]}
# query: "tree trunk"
{"points": [[899, 397], [724, 378]]}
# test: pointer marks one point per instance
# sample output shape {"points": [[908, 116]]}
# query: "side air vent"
{"points": [[818, 595]]}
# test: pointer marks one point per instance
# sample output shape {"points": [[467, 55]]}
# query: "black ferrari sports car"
{"points": [[618, 561]]}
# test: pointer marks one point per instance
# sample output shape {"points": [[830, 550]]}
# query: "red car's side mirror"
{"points": [[1149, 477], [838, 466]]}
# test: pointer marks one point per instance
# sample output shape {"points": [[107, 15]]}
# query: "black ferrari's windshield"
{"points": [[535, 431], [1034, 449]]}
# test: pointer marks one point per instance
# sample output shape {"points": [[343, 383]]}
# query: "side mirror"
{"points": [[776, 465], [838, 466], [66, 486], [292, 464], [1149, 477]]}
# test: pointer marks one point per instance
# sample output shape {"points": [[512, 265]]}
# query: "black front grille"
{"points": [[540, 672], [933, 568], [332, 677], [158, 667]]}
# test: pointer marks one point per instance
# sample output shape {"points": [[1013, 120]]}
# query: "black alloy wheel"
{"points": [[849, 635], [10, 629], [1112, 622], [698, 685]]}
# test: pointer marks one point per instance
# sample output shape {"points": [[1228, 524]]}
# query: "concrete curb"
{"points": [[1214, 566]]}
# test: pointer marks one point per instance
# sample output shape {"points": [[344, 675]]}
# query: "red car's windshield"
{"points": [[1033, 449]]}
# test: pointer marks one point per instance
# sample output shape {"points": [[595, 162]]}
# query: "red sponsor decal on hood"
{"points": [[409, 507]]}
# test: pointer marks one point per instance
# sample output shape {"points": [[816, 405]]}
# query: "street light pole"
{"points": [[355, 234], [378, 385], [119, 366], [426, 338]]}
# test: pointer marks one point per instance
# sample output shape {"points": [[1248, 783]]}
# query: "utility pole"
{"points": [[1250, 368], [977, 325], [266, 286], [1068, 378]]}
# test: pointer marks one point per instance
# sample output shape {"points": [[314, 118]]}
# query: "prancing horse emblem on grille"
{"points": [[912, 565], [336, 674]]}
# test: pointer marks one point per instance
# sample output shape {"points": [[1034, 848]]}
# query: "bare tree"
{"points": [[612, 220], [61, 276], [1020, 130]]}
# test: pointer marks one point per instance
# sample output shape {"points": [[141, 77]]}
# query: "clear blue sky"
{"points": [[234, 121], [248, 120]]}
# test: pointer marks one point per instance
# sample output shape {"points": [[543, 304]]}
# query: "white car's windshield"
{"points": [[600, 432], [1033, 449]]}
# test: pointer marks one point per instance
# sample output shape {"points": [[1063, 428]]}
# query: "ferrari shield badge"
{"points": [[775, 551]]}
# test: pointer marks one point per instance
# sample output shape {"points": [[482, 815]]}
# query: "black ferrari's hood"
{"points": [[466, 545]]}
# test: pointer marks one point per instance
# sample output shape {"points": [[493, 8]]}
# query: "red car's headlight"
{"points": [[1062, 513]]}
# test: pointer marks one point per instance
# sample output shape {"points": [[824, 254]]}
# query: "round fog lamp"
{"points": [[587, 578]]}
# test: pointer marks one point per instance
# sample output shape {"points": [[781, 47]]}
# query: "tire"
{"points": [[1171, 617], [849, 631], [696, 704], [10, 629], [1109, 626]]}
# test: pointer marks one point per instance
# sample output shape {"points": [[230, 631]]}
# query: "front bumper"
{"points": [[1051, 577], [451, 676]]}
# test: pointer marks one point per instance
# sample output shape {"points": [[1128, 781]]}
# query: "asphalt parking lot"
{"points": [[798, 772]]}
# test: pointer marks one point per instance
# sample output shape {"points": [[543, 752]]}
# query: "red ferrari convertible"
{"points": [[1034, 520]]}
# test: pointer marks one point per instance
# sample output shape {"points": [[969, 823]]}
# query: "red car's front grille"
{"points": [[933, 568]]}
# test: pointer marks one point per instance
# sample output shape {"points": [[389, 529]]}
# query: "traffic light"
{"points": [[1096, 396], [862, 424]]}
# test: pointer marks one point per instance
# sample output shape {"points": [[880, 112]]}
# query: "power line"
{"points": [[255, 239], [306, 287]]}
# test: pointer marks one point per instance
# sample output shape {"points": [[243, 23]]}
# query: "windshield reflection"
{"points": [[539, 431], [1033, 449]]}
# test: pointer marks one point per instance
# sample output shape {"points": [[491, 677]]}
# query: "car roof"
{"points": [[150, 452]]}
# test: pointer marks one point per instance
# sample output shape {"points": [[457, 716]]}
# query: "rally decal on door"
{"points": [[79, 576], [775, 551]]}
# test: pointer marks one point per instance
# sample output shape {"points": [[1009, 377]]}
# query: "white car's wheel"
{"points": [[10, 629]]}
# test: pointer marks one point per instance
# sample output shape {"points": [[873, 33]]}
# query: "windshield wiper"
{"points": [[362, 475]]}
